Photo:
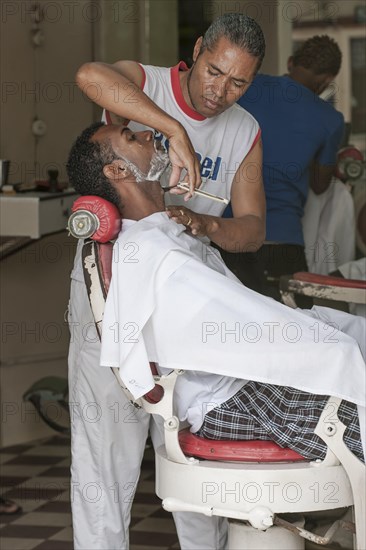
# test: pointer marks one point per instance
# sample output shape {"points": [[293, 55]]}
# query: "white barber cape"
{"points": [[329, 228], [173, 301]]}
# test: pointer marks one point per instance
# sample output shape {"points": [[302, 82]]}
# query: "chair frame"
{"points": [[322, 287], [179, 478]]}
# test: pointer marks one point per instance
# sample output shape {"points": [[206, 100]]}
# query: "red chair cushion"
{"points": [[107, 213], [104, 256], [243, 451], [155, 395], [328, 280]]}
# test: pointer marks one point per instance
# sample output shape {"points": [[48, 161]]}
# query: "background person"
{"points": [[301, 136], [9, 507]]}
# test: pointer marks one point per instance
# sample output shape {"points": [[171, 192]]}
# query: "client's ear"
{"points": [[116, 170]]}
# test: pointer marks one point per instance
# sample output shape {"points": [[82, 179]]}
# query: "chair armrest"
{"points": [[323, 287]]}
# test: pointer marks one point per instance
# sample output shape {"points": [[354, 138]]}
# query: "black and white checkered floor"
{"points": [[37, 475]]}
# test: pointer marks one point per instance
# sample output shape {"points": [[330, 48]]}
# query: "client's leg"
{"points": [[281, 414]]}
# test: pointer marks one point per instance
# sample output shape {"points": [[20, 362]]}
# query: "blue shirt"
{"points": [[297, 128]]}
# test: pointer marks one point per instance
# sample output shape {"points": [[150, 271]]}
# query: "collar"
{"points": [[178, 94], [126, 223], [155, 218]]}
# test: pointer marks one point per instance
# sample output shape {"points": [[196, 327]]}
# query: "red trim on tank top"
{"points": [[143, 76], [256, 139], [178, 94]]}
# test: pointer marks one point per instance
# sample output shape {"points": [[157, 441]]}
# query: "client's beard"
{"points": [[158, 164]]}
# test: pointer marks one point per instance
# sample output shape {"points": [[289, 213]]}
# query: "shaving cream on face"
{"points": [[135, 171], [159, 162]]}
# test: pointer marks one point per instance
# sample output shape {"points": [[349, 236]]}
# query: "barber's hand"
{"points": [[198, 224], [183, 156]]}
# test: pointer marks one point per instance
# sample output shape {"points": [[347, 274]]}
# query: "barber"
{"points": [[194, 109], [209, 136]]}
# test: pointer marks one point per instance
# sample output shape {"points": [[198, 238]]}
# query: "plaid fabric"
{"points": [[281, 414]]}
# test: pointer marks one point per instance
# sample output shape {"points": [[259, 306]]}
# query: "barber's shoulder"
{"points": [[240, 111], [241, 116]]}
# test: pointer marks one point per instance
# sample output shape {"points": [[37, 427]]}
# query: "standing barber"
{"points": [[194, 113]]}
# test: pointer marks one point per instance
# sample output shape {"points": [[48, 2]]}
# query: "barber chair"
{"points": [[254, 484], [334, 222], [350, 164], [350, 169], [321, 287]]}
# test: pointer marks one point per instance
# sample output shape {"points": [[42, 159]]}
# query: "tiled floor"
{"points": [[36, 476]]}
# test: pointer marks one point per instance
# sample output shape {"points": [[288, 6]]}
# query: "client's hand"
{"points": [[197, 224]]}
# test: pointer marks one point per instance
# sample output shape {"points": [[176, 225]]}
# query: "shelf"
{"points": [[35, 214]]}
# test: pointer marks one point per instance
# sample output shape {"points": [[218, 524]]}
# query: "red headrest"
{"points": [[349, 164], [107, 214]]}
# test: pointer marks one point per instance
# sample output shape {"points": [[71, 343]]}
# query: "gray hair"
{"points": [[241, 30]]}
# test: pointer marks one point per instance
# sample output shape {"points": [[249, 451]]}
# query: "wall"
{"points": [[38, 83], [141, 30], [313, 11], [34, 291]]}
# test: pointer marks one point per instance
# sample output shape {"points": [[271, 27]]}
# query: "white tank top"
{"points": [[221, 143]]}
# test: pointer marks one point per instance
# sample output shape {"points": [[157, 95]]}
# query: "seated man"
{"points": [[196, 316]]}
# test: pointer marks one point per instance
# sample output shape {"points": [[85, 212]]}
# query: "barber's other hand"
{"points": [[182, 156], [197, 224]]}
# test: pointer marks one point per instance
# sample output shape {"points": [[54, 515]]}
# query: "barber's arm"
{"points": [[117, 88], [324, 163], [245, 232]]}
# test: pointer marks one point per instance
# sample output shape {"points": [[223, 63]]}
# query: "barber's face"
{"points": [[219, 77]]}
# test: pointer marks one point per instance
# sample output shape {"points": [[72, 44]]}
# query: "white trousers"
{"points": [[107, 446]]}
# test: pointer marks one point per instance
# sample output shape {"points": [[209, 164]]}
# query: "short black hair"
{"points": [[85, 166], [241, 30], [320, 54]]}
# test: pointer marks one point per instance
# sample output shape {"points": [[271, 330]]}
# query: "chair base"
{"points": [[276, 538], [235, 490]]}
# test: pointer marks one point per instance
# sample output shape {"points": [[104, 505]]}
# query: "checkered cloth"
{"points": [[281, 414]]}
